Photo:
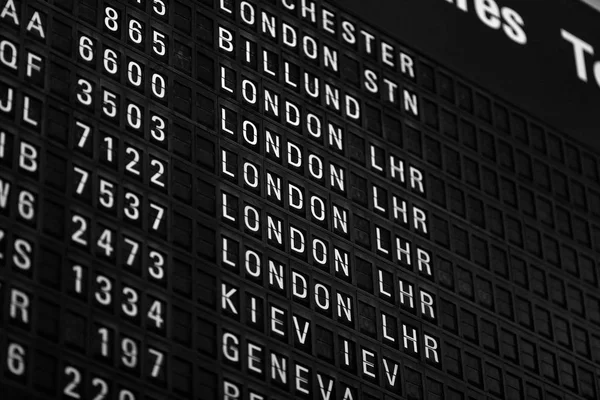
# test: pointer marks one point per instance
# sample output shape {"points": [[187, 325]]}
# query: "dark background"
{"points": [[539, 77]]}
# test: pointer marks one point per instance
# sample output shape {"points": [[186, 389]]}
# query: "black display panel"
{"points": [[222, 199]]}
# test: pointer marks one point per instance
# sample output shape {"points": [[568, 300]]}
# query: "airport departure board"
{"points": [[299, 199]]}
